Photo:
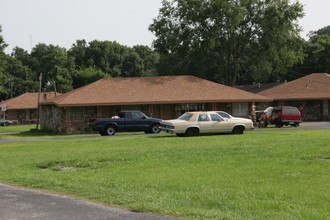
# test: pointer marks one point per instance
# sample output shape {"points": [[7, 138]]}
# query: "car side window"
{"points": [[137, 115], [215, 117], [203, 117], [290, 111], [224, 115]]}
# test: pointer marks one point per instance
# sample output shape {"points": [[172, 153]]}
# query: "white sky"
{"points": [[26, 23]]}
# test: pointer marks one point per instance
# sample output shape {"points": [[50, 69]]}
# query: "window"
{"points": [[203, 117], [293, 111], [224, 114], [240, 109], [77, 114], [215, 117], [138, 115], [185, 117]]}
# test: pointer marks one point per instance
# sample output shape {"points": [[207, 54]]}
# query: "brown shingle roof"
{"points": [[153, 90], [256, 88], [313, 86], [26, 101]]}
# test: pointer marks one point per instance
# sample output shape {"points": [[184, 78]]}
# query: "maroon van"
{"points": [[282, 115]]}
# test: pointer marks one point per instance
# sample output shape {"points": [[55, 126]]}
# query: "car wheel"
{"points": [[278, 124], [266, 124], [155, 128], [192, 132], [110, 130], [237, 130]]}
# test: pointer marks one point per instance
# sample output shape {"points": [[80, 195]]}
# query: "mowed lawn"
{"points": [[258, 175]]}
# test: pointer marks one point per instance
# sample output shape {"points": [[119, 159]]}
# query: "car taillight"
{"points": [[95, 121]]}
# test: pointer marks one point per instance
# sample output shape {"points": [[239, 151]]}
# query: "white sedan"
{"points": [[195, 123]]}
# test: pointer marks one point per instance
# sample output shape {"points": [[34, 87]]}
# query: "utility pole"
{"points": [[38, 108], [11, 88], [55, 87]]}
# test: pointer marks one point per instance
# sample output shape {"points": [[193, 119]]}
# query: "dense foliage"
{"points": [[317, 55], [227, 39], [233, 42], [63, 70]]}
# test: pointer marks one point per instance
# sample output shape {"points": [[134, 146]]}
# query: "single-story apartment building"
{"points": [[23, 108], [310, 94], [164, 97]]}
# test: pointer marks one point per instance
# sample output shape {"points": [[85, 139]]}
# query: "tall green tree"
{"points": [[20, 78], [150, 59], [114, 59], [218, 39], [86, 76], [317, 55], [54, 64], [3, 63]]}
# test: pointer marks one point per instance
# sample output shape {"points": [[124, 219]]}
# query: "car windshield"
{"points": [[185, 116], [224, 114]]}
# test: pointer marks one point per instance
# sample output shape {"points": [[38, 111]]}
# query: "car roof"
{"points": [[201, 112]]}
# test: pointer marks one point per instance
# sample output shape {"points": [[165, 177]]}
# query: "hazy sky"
{"points": [[26, 23]]}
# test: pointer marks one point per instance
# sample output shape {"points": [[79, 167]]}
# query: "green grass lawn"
{"points": [[16, 128], [258, 175]]}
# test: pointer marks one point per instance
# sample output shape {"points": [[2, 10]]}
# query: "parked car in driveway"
{"points": [[281, 115], [195, 123], [132, 120]]}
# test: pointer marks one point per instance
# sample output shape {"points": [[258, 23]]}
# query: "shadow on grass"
{"points": [[200, 135], [35, 133]]}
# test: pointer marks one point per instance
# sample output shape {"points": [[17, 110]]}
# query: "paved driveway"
{"points": [[23, 204]]}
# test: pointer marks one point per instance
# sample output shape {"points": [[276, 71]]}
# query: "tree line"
{"points": [[233, 42]]}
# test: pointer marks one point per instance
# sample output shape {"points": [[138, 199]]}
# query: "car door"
{"points": [[129, 122], [220, 125], [204, 123], [140, 121]]}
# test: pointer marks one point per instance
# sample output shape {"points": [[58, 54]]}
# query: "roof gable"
{"points": [[152, 90], [27, 100], [313, 86]]}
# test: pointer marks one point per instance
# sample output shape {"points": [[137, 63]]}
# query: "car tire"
{"points": [[192, 132], [110, 130], [266, 124], [155, 128], [238, 130], [278, 124]]}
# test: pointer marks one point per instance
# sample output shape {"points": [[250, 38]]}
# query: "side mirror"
{"points": [[143, 117]]}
